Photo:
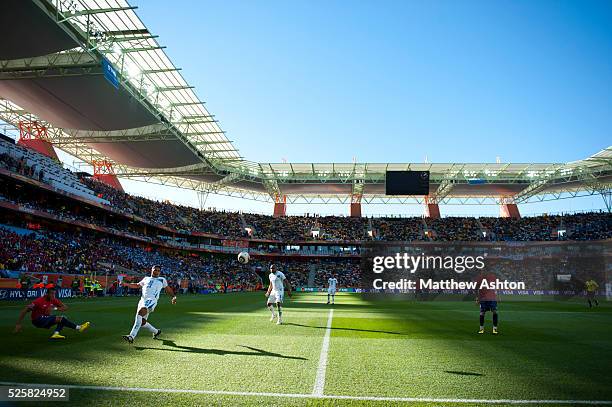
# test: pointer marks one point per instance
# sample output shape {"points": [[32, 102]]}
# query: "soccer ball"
{"points": [[243, 257]]}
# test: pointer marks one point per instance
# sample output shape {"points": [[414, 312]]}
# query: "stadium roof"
{"points": [[93, 73]]}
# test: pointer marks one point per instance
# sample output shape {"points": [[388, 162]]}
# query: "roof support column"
{"points": [[356, 195], [432, 209], [103, 172], [33, 135], [280, 206], [509, 209], [355, 210]]}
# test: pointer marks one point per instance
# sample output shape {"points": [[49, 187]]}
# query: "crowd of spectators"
{"points": [[347, 272], [455, 229], [334, 228], [580, 226], [182, 218], [86, 254], [54, 252], [68, 214], [589, 226], [399, 229], [20, 166]]}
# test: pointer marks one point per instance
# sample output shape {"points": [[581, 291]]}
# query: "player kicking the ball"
{"points": [[42, 318], [151, 287], [332, 282], [275, 293]]}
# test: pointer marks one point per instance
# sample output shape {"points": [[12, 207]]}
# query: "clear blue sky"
{"points": [[395, 81]]}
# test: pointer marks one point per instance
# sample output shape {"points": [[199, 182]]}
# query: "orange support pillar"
{"points": [[355, 208], [33, 135], [432, 210], [280, 206], [509, 210], [103, 172]]}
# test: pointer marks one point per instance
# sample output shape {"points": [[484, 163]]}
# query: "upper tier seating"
{"points": [[53, 173]]}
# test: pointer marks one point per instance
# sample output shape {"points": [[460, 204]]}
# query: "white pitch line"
{"points": [[320, 380], [308, 396]]}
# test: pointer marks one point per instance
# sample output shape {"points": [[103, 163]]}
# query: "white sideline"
{"points": [[320, 380], [309, 396]]}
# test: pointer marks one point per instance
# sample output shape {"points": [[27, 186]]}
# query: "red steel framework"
{"points": [[33, 135], [103, 171], [102, 167], [280, 206], [32, 130]]}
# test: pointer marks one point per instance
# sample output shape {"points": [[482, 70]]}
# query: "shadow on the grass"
{"points": [[532, 341], [344, 329], [462, 373], [190, 349]]}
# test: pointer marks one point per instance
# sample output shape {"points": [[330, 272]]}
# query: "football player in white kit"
{"points": [[332, 282], [151, 288], [275, 293]]}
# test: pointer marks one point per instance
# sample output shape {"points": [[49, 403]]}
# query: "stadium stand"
{"points": [[85, 227], [44, 169], [339, 228]]}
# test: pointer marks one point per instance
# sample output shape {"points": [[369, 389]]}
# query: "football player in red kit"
{"points": [[41, 315]]}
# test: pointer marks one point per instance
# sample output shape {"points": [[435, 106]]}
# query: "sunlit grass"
{"points": [[546, 350]]}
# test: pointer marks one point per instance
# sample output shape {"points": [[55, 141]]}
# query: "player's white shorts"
{"points": [[275, 297], [331, 291], [149, 304]]}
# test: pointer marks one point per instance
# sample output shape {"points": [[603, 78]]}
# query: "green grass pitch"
{"points": [[422, 350]]}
